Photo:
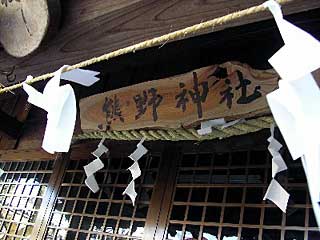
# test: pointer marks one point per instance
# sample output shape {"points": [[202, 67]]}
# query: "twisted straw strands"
{"points": [[181, 134]]}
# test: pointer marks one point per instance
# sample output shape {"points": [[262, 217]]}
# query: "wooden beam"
{"points": [[25, 155], [92, 28]]}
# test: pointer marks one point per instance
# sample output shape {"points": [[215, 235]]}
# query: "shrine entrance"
{"points": [[207, 191]]}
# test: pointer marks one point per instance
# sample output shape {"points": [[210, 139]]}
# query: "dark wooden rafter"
{"points": [[25, 155], [92, 28], [13, 113], [10, 125]]}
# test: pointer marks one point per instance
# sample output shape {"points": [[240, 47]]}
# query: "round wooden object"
{"points": [[25, 23]]}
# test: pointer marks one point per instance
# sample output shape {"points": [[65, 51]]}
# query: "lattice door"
{"points": [[80, 214], [22, 188], [219, 196]]}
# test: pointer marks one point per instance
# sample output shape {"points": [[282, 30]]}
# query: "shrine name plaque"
{"points": [[230, 90]]}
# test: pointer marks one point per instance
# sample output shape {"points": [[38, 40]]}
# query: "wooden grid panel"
{"points": [[22, 188], [81, 214], [219, 196]]}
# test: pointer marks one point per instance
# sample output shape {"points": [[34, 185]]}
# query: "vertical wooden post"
{"points": [[162, 195], [50, 196]]}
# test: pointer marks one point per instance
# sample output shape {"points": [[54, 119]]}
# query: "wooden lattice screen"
{"points": [[80, 214], [22, 188], [205, 191], [219, 196]]}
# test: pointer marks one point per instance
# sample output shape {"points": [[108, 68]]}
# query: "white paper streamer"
{"points": [[278, 164], [135, 170], [300, 54], [90, 169], [275, 192], [139, 152], [93, 167], [101, 149], [60, 104], [1, 172], [277, 195], [206, 126], [230, 124], [295, 105], [131, 192], [92, 184], [81, 76]]}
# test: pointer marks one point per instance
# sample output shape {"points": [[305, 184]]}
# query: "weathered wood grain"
{"points": [[231, 90], [93, 27], [24, 24], [25, 155]]}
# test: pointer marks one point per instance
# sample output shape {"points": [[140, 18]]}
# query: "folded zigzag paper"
{"points": [[278, 164], [90, 169], [135, 170], [295, 105], [275, 192], [60, 104], [101, 149], [94, 166]]}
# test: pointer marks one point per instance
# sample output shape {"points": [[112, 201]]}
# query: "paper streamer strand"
{"points": [[60, 104], [275, 192], [295, 104], [135, 170], [179, 34], [90, 170], [101, 149], [94, 166], [278, 164]]}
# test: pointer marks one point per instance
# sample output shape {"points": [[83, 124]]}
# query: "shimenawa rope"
{"points": [[181, 134]]}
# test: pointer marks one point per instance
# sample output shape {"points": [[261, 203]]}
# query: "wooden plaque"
{"points": [[231, 90]]}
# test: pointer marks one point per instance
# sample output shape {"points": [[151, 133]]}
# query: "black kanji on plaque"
{"points": [[142, 101], [197, 96], [154, 101], [243, 84], [111, 108], [182, 98], [219, 73], [227, 94]]}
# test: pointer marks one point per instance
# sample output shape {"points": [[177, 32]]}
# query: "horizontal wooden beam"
{"points": [[25, 155], [92, 28]]}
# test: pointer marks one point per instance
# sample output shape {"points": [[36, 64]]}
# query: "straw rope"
{"points": [[155, 41], [181, 134]]}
